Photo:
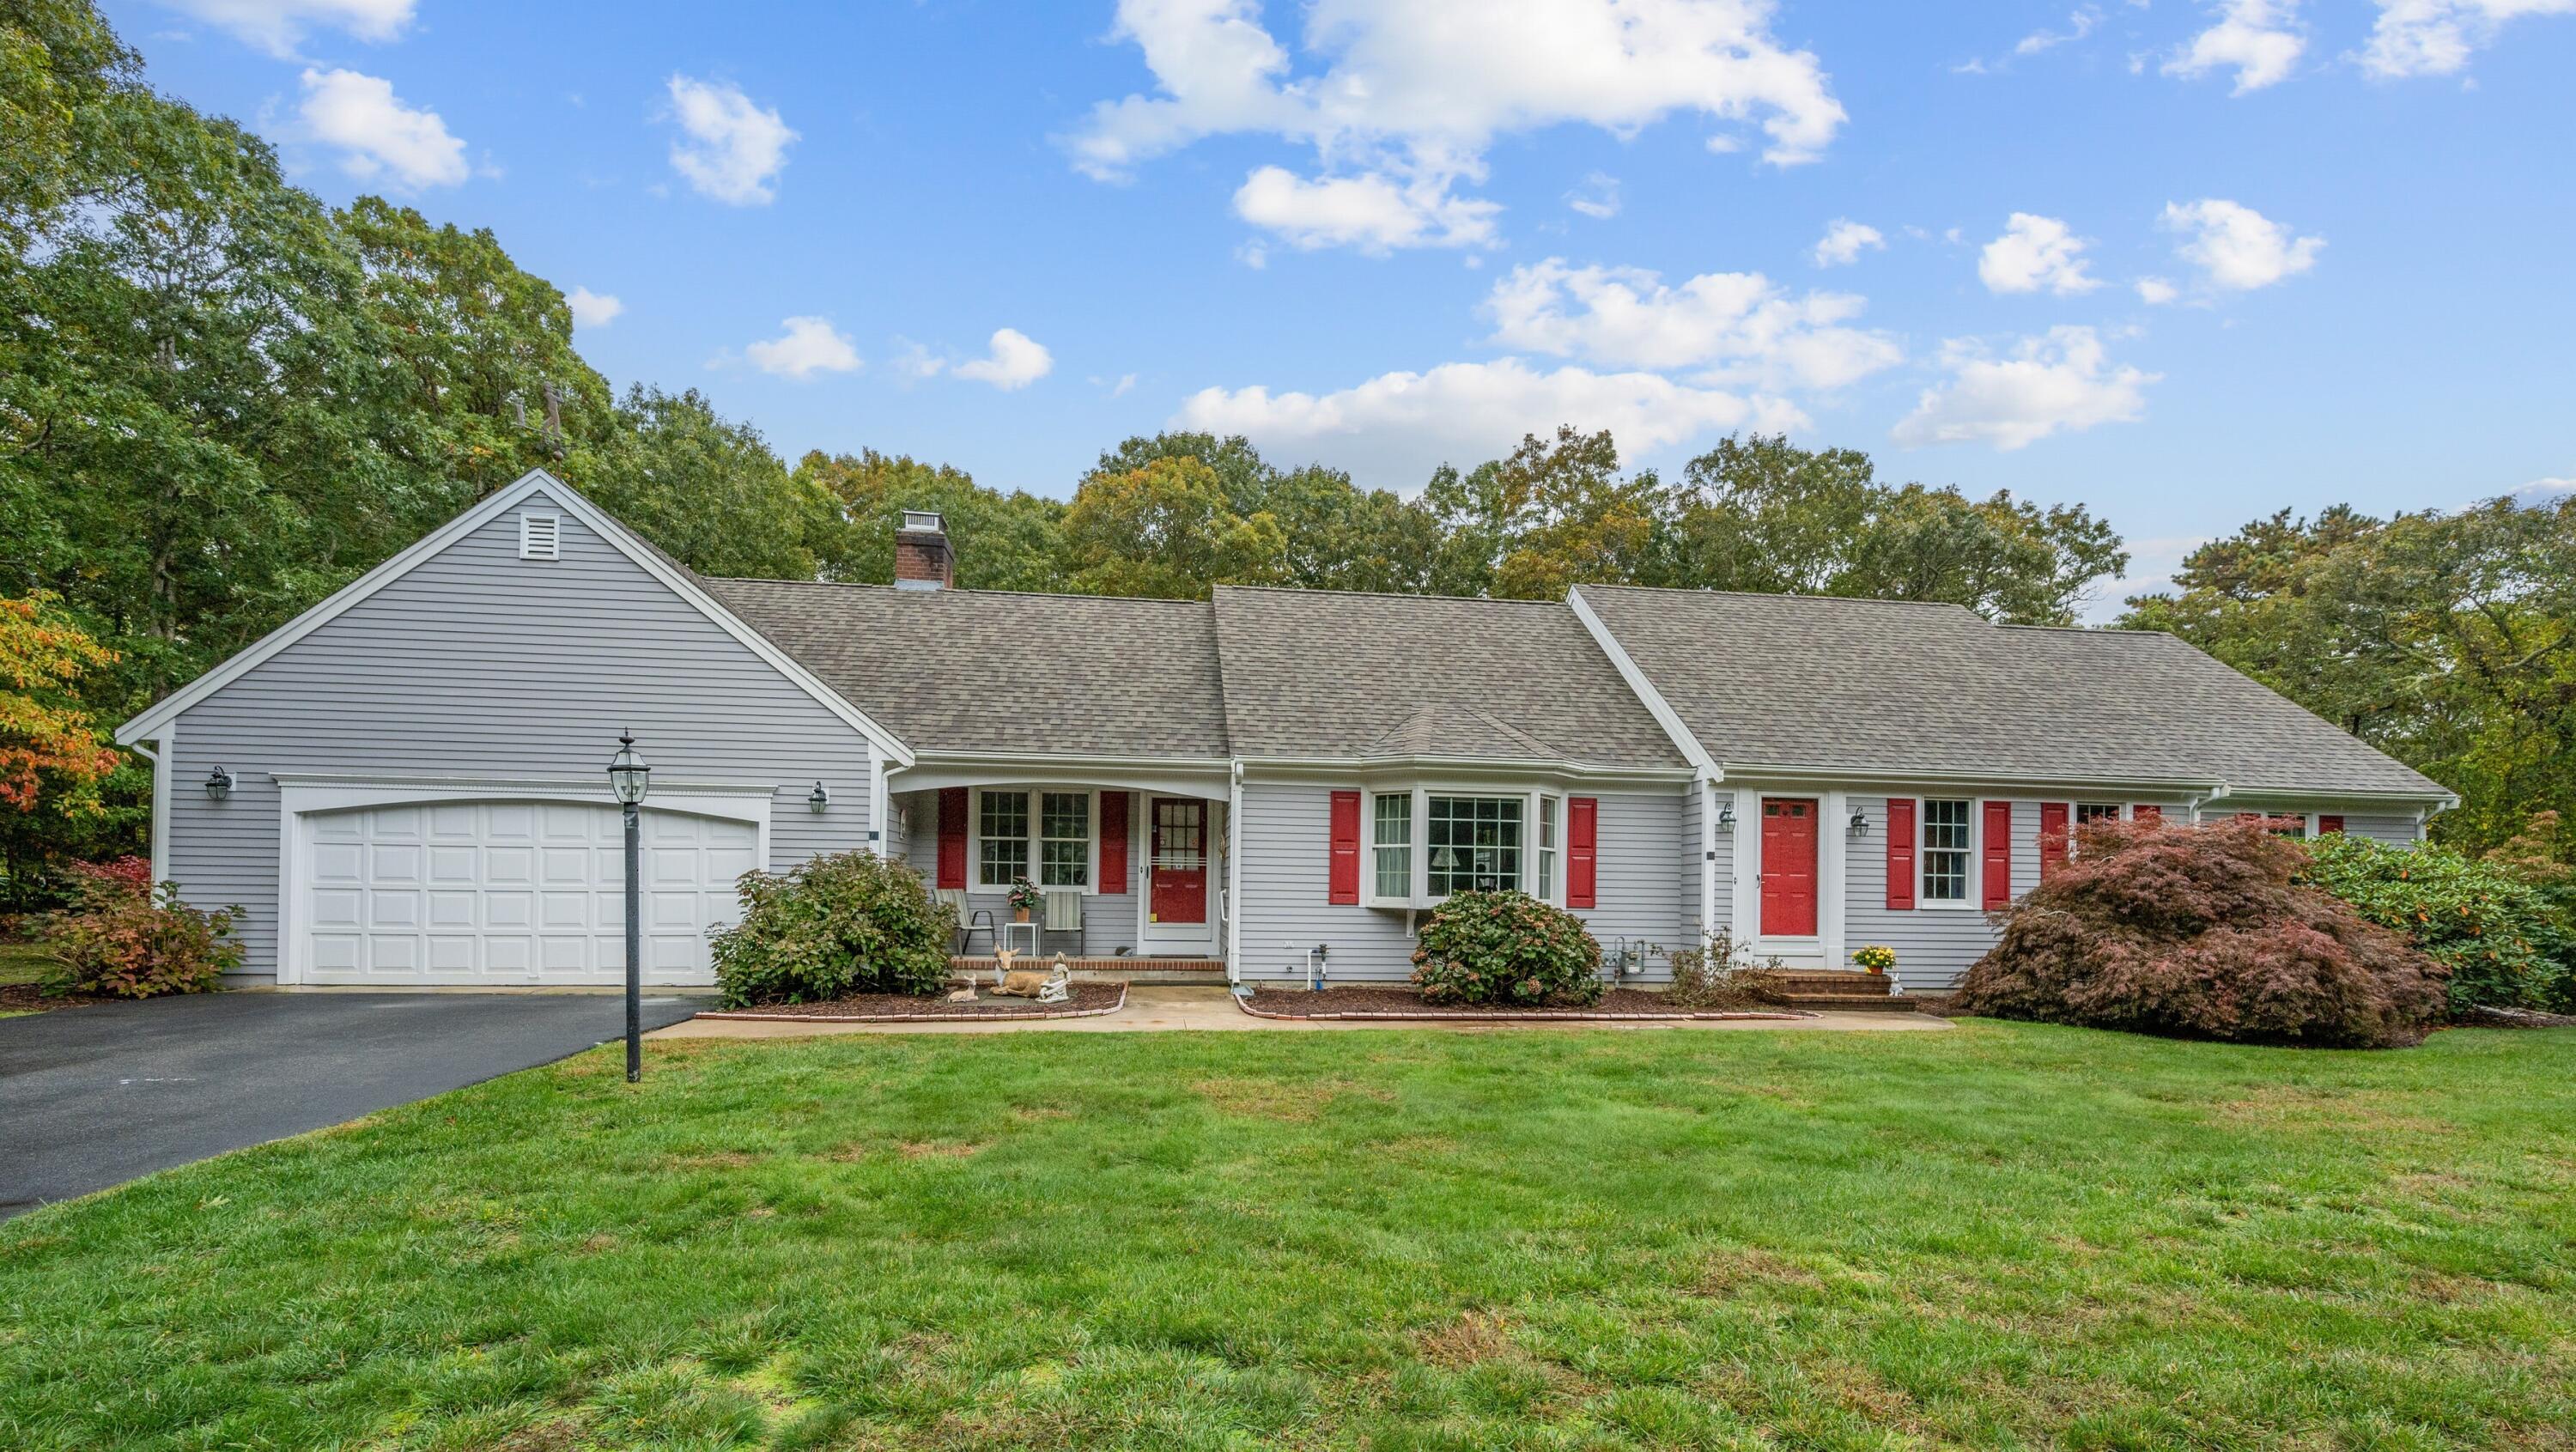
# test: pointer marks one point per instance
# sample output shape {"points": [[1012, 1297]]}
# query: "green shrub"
{"points": [[124, 937], [2504, 941], [1506, 947], [852, 922]]}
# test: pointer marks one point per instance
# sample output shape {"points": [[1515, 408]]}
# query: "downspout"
{"points": [[1234, 873], [158, 753]]}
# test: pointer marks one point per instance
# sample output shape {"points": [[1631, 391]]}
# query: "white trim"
{"points": [[1653, 700], [1233, 874], [880, 805], [1707, 855], [154, 719], [1573, 775], [1971, 896], [1036, 793], [302, 796], [939, 774], [1163, 937], [1833, 871], [1748, 872], [163, 753]]}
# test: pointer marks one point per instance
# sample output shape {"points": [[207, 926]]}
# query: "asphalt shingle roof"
{"points": [[1313, 673], [978, 670], [1874, 685]]}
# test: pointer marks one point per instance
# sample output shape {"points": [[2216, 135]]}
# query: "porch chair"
{"points": [[1063, 915], [969, 923]]}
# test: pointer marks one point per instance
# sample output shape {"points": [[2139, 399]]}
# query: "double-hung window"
{"points": [[2088, 813], [1064, 839], [1051, 847], [1391, 846], [1475, 843], [1945, 851], [1547, 849], [1002, 838]]}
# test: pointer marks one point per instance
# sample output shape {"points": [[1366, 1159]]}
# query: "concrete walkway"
{"points": [[1159, 1009]]}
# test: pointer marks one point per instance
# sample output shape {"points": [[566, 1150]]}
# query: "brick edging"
{"points": [[1538, 1015], [739, 1016]]}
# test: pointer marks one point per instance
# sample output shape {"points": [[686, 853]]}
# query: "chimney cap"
{"points": [[923, 521]]}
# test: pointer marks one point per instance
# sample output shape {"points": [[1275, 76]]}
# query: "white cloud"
{"points": [[377, 135], [2436, 37], [1598, 198], [593, 309], [1739, 326], [1015, 361], [1403, 100], [809, 346], [279, 26], [2543, 493], [1844, 241], [1373, 212], [1397, 427], [2058, 382], [2078, 25], [730, 149], [2236, 248], [1125, 384], [2036, 253], [2259, 39], [2156, 291]]}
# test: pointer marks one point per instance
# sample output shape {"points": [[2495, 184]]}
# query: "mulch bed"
{"points": [[1089, 1000], [1404, 1003], [28, 998]]}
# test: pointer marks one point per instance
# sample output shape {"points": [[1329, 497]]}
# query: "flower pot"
{"points": [[1019, 915]]}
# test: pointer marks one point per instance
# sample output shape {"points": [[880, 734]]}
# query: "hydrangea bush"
{"points": [[1507, 948], [849, 922], [127, 937]]}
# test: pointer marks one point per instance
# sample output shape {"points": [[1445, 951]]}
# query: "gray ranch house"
{"points": [[404, 785]]}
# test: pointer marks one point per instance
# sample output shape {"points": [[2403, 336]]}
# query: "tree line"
{"points": [[222, 399]]}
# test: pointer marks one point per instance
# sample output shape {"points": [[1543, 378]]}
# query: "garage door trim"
{"points": [[305, 795]]}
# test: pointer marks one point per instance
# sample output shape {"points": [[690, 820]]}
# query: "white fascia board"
{"points": [[1768, 774], [1653, 700], [153, 720], [1570, 773]]}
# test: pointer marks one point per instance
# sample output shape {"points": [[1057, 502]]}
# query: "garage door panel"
{"points": [[497, 893]]}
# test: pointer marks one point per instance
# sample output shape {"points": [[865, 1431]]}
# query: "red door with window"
{"points": [[1789, 867], [1179, 860]]}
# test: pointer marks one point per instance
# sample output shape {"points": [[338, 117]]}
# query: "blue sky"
{"points": [[2183, 262]]}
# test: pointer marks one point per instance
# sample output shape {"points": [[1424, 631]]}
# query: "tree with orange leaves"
{"points": [[51, 753]]}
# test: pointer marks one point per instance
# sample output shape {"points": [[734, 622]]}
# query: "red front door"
{"points": [[1789, 867], [1179, 860]]}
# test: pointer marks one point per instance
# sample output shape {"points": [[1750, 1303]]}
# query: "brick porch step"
{"points": [[1834, 990]]}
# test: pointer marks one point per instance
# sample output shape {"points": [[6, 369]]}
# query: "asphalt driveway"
{"points": [[91, 1097]]}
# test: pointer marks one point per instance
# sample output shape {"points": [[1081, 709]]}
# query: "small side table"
{"points": [[1013, 932]]}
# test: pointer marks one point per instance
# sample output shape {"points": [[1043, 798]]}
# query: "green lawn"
{"points": [[2005, 1235], [19, 963]]}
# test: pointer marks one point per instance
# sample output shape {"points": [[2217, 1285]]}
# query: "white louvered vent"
{"points": [[540, 536]]}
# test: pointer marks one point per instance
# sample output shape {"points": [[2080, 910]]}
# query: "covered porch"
{"points": [[1130, 865]]}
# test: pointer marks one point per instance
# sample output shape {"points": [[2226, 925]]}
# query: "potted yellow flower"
{"points": [[1877, 957]]}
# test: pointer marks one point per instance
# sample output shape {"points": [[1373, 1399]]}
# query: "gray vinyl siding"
{"points": [[1638, 889], [1934, 945], [1285, 909], [2399, 830], [1694, 806], [1723, 843], [1108, 919], [479, 663]]}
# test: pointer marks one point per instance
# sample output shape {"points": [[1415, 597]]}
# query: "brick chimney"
{"points": [[922, 558]]}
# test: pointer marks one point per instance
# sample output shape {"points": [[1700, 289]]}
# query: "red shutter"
{"points": [[1998, 854], [952, 837], [1582, 851], [2146, 812], [2052, 838], [2329, 824], [1342, 871], [1113, 842], [1900, 852]]}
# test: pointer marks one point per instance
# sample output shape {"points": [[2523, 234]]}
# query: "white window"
{"points": [[1064, 839], [1391, 846], [1945, 851], [1547, 849], [1475, 843], [2088, 813], [1002, 838]]}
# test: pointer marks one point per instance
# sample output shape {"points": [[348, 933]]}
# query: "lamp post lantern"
{"points": [[628, 778]]}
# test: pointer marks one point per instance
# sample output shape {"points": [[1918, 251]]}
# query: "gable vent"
{"points": [[540, 536]]}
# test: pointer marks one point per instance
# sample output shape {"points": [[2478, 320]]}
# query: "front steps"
{"points": [[1131, 969], [1831, 990]]}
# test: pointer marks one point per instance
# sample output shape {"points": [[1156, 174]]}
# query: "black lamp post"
{"points": [[629, 777]]}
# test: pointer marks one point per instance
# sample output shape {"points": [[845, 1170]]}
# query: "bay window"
{"points": [[1475, 844], [1547, 830], [1391, 848]]}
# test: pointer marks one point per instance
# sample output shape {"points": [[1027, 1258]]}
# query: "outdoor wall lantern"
{"points": [[629, 777], [219, 785], [820, 798], [1859, 823], [1726, 818]]}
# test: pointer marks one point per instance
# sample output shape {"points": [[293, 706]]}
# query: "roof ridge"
{"points": [[1784, 595], [950, 590], [1387, 595]]}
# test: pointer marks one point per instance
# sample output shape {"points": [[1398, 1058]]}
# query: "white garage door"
{"points": [[503, 893]]}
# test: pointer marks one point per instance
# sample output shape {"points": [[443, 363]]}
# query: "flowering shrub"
{"points": [[1718, 972], [1022, 895], [1506, 947], [2501, 938], [125, 937], [851, 922], [2204, 932], [1876, 957]]}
